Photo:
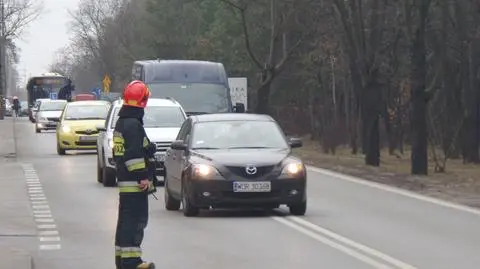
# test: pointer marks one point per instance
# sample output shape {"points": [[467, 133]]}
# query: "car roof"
{"points": [[231, 117], [154, 102], [89, 102]]}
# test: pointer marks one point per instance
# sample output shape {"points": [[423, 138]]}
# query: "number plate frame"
{"points": [[254, 186], [85, 138]]}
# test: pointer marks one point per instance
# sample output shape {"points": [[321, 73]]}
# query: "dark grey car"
{"points": [[233, 160]]}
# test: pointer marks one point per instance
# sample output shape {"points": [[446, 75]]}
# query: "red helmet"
{"points": [[136, 94]]}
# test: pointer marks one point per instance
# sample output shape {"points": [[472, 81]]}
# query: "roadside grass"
{"points": [[460, 183]]}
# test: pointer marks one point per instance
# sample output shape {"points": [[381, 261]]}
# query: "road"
{"points": [[348, 225]]}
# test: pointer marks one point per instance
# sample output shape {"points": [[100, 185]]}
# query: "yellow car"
{"points": [[77, 128]]}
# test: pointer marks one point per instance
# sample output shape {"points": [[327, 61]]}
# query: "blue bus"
{"points": [[201, 87]]}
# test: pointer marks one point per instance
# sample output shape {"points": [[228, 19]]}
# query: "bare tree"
{"points": [[270, 66]]}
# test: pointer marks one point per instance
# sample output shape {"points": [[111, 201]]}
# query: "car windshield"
{"points": [[86, 112], [195, 98], [52, 106], [237, 135], [158, 117]]}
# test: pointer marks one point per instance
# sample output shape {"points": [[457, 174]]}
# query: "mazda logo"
{"points": [[88, 131], [251, 170]]}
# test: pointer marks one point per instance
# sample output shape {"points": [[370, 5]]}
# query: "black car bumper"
{"points": [[219, 193]]}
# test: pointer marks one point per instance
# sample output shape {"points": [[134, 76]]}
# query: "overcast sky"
{"points": [[45, 36]]}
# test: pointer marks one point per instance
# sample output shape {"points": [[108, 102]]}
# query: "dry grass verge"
{"points": [[460, 183]]}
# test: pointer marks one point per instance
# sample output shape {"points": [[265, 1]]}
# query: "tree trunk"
{"points": [[263, 99], [419, 133]]}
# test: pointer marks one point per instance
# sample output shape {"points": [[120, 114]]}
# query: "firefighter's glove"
{"points": [[151, 188], [151, 149]]}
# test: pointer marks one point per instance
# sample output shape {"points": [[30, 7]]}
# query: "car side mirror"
{"points": [[295, 143], [101, 128], [239, 108], [178, 145]]}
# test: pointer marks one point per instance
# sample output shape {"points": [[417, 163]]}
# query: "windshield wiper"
{"points": [[195, 113], [204, 148]]}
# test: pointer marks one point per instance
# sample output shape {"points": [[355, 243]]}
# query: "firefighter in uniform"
{"points": [[132, 150]]}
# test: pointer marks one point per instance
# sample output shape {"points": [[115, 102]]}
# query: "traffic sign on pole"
{"points": [[53, 95], [106, 84]]}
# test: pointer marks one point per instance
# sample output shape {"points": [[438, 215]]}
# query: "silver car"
{"points": [[162, 121], [48, 114]]}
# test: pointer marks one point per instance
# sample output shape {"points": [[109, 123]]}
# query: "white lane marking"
{"points": [[395, 190], [46, 226], [39, 216], [50, 247], [357, 255], [49, 238], [40, 206], [45, 220], [47, 233], [35, 191], [350, 243], [38, 198], [41, 210]]}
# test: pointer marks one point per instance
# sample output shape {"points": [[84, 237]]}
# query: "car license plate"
{"points": [[160, 157], [262, 186], [88, 138]]}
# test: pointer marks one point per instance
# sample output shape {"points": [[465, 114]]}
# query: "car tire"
{"points": [[109, 177], [298, 209], [60, 151], [37, 130], [99, 171], [171, 204], [189, 210]]}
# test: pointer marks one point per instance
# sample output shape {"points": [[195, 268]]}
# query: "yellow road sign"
{"points": [[106, 84]]}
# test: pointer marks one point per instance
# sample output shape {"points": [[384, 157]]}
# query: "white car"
{"points": [[35, 107], [48, 114], [162, 121]]}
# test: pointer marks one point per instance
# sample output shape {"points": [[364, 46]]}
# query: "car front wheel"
{"points": [[109, 177], [60, 151], [171, 204], [298, 209], [189, 210], [99, 171]]}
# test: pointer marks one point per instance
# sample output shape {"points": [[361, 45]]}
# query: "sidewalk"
{"points": [[17, 228]]}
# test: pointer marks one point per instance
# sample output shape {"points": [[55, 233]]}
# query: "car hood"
{"points": [[162, 134], [50, 114], [83, 124], [242, 157]]}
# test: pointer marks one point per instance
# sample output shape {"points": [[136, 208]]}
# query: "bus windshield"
{"points": [[195, 98]]}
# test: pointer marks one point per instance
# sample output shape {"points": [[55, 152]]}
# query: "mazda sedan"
{"points": [[233, 160]]}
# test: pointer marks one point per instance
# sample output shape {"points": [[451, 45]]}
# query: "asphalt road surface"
{"points": [[349, 224]]}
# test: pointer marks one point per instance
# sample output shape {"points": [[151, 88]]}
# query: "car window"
{"points": [[158, 117], [238, 134], [184, 130], [52, 106], [86, 112]]}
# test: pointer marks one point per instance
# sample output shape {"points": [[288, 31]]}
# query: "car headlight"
{"points": [[203, 171], [293, 170], [66, 129]]}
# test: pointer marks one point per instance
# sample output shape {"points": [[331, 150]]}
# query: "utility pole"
{"points": [[3, 61]]}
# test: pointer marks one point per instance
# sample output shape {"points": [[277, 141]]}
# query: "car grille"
{"points": [[86, 143], [162, 146], [87, 133], [241, 171], [53, 119]]}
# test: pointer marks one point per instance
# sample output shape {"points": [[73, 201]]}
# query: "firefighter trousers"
{"points": [[131, 223]]}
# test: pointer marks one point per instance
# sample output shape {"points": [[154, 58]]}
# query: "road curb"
{"points": [[9, 147]]}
